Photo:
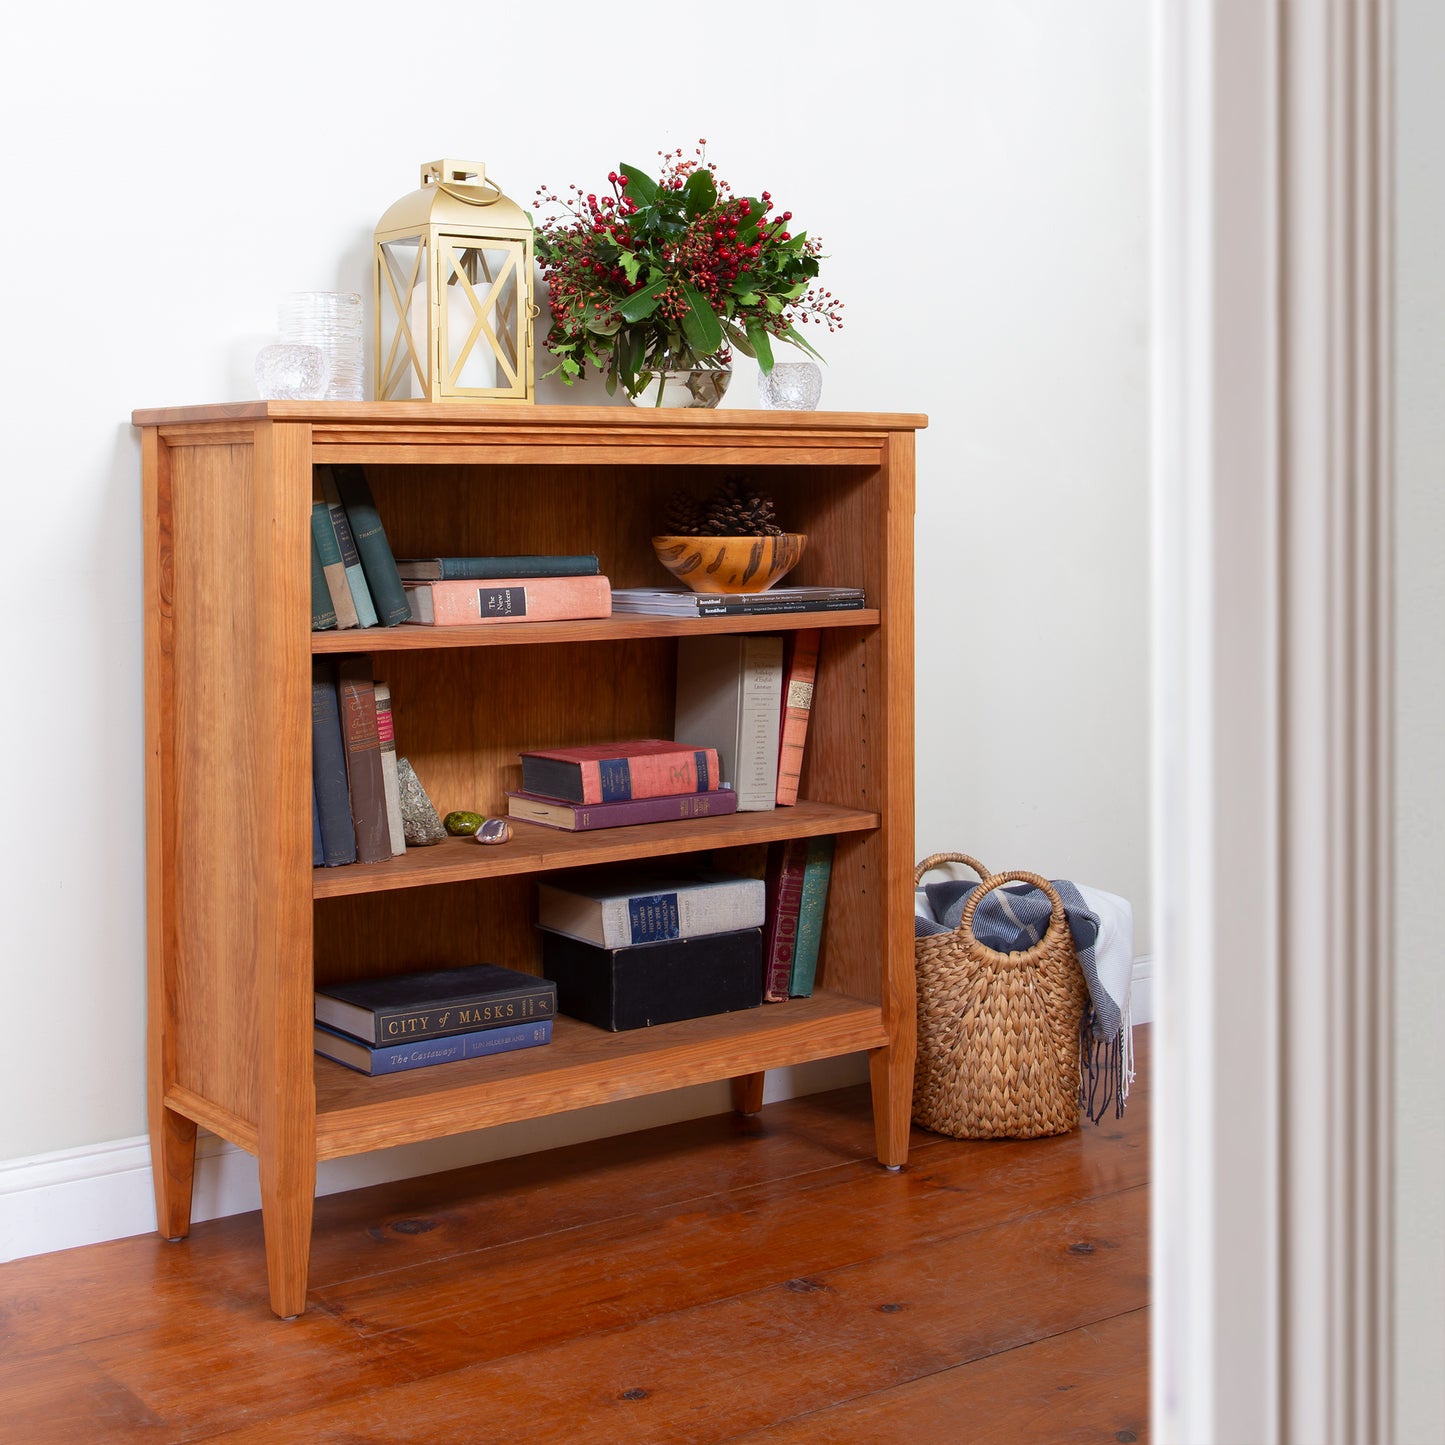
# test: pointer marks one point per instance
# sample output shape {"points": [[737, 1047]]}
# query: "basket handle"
{"points": [[934, 859], [1058, 922]]}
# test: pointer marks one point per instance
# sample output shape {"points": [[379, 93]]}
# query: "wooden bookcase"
{"points": [[239, 924]]}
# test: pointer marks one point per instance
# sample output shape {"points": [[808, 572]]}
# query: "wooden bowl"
{"points": [[730, 564]]}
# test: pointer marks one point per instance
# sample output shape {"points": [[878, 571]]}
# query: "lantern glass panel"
{"points": [[401, 364], [481, 331]]}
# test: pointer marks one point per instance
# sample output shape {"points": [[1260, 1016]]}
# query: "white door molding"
{"points": [[1272, 695]]}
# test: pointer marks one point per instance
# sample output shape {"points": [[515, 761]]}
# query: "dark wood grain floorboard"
{"points": [[713, 1280]]}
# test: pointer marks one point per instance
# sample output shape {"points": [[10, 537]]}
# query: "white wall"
{"points": [[980, 182], [1420, 727]]}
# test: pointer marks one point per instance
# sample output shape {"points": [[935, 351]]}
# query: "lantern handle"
{"points": [[433, 173]]}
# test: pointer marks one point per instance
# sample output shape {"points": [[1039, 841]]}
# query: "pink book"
{"points": [[512, 599], [613, 772]]}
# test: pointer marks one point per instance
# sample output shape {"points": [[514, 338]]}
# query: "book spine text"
{"points": [[799, 676]]}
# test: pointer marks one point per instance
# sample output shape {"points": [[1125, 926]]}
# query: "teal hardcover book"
{"points": [[382, 578], [817, 871]]}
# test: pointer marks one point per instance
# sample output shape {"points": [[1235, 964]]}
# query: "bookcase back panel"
{"points": [[463, 716], [615, 512], [484, 921]]}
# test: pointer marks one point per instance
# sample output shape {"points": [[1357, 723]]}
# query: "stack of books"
{"points": [[415, 1020], [612, 785], [355, 794], [354, 578], [682, 602], [629, 948], [464, 591]]}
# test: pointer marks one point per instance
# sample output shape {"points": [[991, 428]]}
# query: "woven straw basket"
{"points": [[998, 1033]]}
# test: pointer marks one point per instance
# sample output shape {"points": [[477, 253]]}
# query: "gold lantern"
{"points": [[453, 303]]}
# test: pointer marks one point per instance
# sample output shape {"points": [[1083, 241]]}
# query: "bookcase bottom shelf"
{"points": [[580, 1067]]}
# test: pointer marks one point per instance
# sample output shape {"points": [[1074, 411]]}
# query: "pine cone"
{"points": [[738, 510], [683, 516]]}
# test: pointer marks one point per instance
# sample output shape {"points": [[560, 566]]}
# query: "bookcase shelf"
{"points": [[529, 634], [536, 849], [240, 927]]}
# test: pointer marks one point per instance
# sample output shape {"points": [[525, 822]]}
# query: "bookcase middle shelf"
{"points": [[536, 849], [521, 634]]}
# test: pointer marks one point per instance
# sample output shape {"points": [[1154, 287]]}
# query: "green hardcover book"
{"points": [[323, 614], [817, 870], [350, 557], [372, 547], [323, 536]]}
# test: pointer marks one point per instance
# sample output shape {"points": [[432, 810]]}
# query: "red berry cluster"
{"points": [[700, 255]]}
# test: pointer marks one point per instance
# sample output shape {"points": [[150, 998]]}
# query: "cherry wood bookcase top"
{"points": [[240, 927]]}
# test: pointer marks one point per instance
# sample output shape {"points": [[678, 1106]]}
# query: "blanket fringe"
{"points": [[1106, 1069]]}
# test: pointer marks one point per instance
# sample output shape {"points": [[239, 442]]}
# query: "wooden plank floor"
{"points": [[724, 1279]]}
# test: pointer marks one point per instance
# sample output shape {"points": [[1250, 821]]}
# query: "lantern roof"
{"points": [[455, 195]]}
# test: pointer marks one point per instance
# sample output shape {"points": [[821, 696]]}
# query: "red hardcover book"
{"points": [[364, 776], [800, 669], [783, 884], [612, 772], [461, 603]]}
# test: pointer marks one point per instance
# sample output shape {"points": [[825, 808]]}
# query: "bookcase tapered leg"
{"points": [[173, 1170], [748, 1092], [890, 1071], [288, 1189]]}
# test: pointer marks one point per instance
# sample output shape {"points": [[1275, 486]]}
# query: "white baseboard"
{"points": [[1141, 991], [86, 1196]]}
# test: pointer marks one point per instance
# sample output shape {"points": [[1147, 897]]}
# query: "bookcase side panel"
{"points": [[218, 870], [898, 801]]}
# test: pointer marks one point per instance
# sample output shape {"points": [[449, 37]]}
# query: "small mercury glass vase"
{"points": [[790, 386], [292, 371]]}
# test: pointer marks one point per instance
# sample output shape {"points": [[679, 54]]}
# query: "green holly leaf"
{"points": [[641, 304], [700, 323], [738, 337], [793, 335], [640, 186], [631, 266], [762, 344], [699, 193]]}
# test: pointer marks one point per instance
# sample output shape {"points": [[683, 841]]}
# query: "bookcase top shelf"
{"points": [[407, 637], [434, 416], [383, 433], [535, 849]]}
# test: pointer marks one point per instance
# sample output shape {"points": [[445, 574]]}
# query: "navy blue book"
{"points": [[318, 848], [423, 1053], [382, 578], [434, 1003], [328, 768]]}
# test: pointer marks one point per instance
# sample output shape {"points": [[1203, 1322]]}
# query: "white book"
{"points": [[622, 908], [730, 697]]}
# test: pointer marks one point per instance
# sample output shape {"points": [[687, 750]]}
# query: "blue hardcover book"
{"points": [[423, 1053], [328, 768], [350, 557], [318, 849]]}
